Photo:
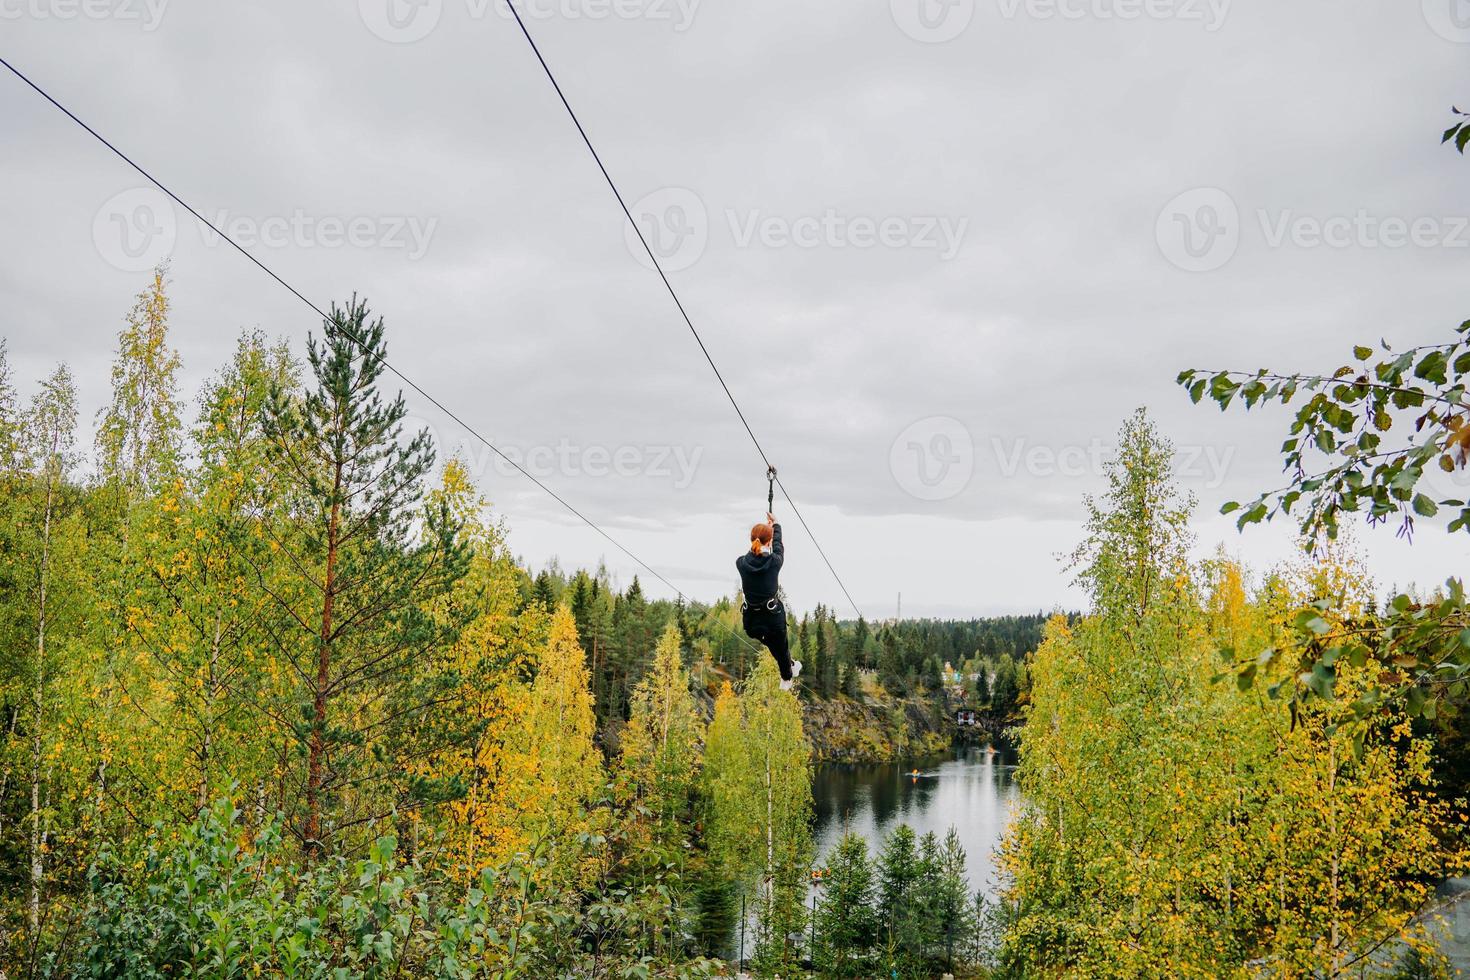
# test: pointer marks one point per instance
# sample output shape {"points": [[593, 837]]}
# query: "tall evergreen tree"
{"points": [[1005, 688], [830, 658], [355, 623], [899, 875], [982, 681], [847, 919], [952, 904]]}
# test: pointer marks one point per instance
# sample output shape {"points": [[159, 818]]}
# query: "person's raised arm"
{"points": [[777, 549]]}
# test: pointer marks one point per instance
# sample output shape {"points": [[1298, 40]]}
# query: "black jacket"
{"points": [[758, 573]]}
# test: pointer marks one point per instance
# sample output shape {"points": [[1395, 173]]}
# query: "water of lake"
{"points": [[972, 791]]}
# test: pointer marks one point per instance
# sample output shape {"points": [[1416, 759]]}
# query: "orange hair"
{"points": [[760, 535]]}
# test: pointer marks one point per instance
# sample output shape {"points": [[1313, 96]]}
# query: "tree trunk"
{"points": [[206, 743], [317, 747], [1336, 936], [38, 703]]}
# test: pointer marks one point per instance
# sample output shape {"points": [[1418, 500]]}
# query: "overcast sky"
{"points": [[939, 248]]}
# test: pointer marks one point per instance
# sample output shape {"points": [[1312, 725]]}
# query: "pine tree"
{"points": [[355, 624], [545, 591], [1005, 689], [953, 904], [860, 638], [892, 673], [899, 874], [851, 680], [813, 651], [847, 919], [932, 677], [982, 682]]}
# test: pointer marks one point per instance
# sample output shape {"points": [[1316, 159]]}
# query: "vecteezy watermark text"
{"points": [[938, 21], [410, 234], [1201, 230], [936, 458], [676, 225], [1208, 465], [138, 228], [148, 14], [675, 465], [831, 229], [1210, 14], [407, 21]]}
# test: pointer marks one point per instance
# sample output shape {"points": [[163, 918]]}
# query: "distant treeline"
{"points": [[619, 628]]}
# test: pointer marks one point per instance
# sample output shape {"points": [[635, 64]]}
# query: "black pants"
{"points": [[769, 627]]}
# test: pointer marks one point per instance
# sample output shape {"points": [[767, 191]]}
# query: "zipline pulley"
{"points": [[770, 489]]}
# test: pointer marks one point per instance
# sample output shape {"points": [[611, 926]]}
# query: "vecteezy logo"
{"points": [[933, 459], [674, 223], [401, 21], [933, 21], [1199, 230], [135, 230], [1450, 19]]}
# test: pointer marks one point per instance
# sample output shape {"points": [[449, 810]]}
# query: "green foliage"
{"points": [[661, 744], [1459, 132], [223, 900], [1362, 438], [900, 900], [1005, 687], [847, 921], [355, 627], [910, 916], [1369, 437], [138, 433], [758, 786], [1179, 825], [267, 604]]}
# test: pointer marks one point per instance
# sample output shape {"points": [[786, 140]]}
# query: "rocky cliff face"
{"points": [[877, 729]]}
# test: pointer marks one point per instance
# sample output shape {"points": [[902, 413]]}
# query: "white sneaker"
{"points": [[795, 673]]}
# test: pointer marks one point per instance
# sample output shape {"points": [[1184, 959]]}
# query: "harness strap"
{"points": [[770, 489]]}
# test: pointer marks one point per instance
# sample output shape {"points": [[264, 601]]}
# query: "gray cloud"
{"points": [[827, 148]]}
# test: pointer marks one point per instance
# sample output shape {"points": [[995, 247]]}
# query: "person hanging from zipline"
{"points": [[763, 612]]}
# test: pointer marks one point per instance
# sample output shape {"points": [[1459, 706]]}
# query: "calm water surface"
{"points": [[973, 791]]}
